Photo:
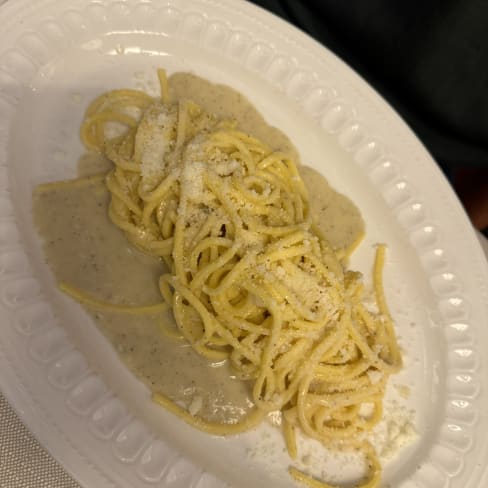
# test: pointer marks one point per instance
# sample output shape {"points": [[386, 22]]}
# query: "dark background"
{"points": [[429, 59]]}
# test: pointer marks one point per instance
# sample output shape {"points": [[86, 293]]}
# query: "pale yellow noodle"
{"points": [[91, 302]]}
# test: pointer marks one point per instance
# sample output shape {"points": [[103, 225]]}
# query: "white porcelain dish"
{"points": [[59, 373]]}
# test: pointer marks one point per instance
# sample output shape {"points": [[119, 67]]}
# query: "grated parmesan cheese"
{"points": [[156, 138], [374, 376], [192, 179], [395, 432], [195, 405]]}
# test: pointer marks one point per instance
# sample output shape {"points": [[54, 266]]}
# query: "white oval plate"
{"points": [[60, 374]]}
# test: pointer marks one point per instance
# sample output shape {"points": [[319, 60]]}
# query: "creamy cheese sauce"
{"points": [[83, 248], [337, 218], [227, 103]]}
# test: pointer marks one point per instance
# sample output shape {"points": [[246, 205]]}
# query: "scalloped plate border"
{"points": [[359, 120]]}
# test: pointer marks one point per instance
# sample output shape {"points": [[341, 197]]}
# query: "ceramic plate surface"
{"points": [[59, 373]]}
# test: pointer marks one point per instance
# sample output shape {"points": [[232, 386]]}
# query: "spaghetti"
{"points": [[249, 278]]}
